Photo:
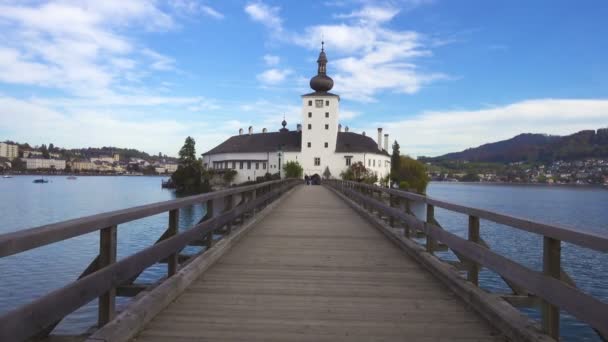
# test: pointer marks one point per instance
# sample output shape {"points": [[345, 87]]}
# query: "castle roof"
{"points": [[291, 141]]}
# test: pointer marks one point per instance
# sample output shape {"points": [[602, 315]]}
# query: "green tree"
{"points": [[190, 176], [395, 162], [229, 176], [413, 172], [293, 169], [18, 165], [187, 154], [45, 152]]}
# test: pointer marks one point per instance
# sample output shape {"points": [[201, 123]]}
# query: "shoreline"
{"points": [[526, 184]]}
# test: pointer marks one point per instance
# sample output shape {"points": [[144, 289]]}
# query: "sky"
{"points": [[437, 75]]}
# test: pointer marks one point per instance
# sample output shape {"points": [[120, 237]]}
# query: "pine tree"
{"points": [[187, 155], [395, 163]]}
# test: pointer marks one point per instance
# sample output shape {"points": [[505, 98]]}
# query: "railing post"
{"points": [[229, 202], [391, 201], [208, 216], [473, 273], [551, 268], [405, 224], [107, 256], [430, 219], [254, 194], [172, 262]]}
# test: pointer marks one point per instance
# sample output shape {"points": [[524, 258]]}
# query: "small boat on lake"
{"points": [[40, 180], [7, 176], [72, 177]]}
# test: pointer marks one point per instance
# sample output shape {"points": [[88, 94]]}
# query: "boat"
{"points": [[7, 176], [71, 177], [40, 180]]}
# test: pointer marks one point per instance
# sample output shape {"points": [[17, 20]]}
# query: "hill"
{"points": [[529, 147]]}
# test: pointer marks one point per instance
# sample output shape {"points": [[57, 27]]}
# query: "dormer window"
{"points": [[319, 103]]}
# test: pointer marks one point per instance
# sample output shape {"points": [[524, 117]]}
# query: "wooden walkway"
{"points": [[314, 270]]}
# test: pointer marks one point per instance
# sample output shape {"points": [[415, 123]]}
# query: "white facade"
{"points": [[36, 163], [9, 151]]}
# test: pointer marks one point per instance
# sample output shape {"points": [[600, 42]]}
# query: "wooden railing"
{"points": [[552, 289], [105, 278]]}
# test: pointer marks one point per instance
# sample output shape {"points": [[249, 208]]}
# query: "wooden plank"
{"points": [[473, 272], [172, 260], [315, 290], [107, 257], [551, 268], [23, 240], [25, 321], [145, 308], [586, 308]]}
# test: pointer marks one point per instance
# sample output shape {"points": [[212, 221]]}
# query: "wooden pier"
{"points": [[338, 262]]}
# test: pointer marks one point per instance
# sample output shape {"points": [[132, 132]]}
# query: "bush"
{"points": [[293, 169], [413, 173], [229, 176]]}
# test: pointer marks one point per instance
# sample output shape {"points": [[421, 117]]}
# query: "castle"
{"points": [[318, 143]]}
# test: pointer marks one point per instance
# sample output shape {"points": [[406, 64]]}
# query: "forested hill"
{"points": [[536, 148]]}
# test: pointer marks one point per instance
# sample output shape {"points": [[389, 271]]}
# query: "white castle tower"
{"points": [[319, 121]]}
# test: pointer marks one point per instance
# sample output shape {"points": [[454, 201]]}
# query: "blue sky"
{"points": [[437, 75]]}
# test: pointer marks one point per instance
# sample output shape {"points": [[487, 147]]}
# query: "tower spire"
{"points": [[322, 82]]}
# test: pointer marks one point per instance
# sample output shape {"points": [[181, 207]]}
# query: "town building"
{"points": [[318, 143], [45, 164], [83, 165], [9, 151]]}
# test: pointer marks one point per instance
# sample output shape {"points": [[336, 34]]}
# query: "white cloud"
{"points": [[371, 14], [371, 58], [266, 15], [271, 60], [273, 76], [159, 61], [193, 8], [435, 133]]}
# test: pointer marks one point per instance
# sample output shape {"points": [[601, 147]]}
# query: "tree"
{"points": [[51, 147], [326, 173], [395, 162], [293, 169], [45, 152], [187, 154], [358, 173], [190, 176], [413, 173], [229, 176], [18, 165]]}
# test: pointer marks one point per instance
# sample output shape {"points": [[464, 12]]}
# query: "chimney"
{"points": [[363, 133], [386, 142], [380, 139], [339, 127], [264, 130], [240, 131], [299, 127], [346, 129], [250, 130]]}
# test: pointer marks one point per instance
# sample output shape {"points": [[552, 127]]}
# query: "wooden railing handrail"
{"points": [[23, 240], [553, 286], [42, 314], [588, 239]]}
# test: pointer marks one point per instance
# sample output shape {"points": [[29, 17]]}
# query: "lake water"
{"points": [[34, 273]]}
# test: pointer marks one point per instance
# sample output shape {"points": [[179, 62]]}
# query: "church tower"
{"points": [[319, 121]]}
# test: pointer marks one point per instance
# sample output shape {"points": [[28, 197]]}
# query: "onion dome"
{"points": [[322, 82], [284, 123]]}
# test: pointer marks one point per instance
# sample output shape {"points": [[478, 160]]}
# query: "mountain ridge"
{"points": [[536, 147]]}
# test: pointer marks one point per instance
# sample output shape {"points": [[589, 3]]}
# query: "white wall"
{"points": [[317, 136]]}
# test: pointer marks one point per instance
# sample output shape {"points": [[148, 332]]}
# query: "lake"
{"points": [[31, 274]]}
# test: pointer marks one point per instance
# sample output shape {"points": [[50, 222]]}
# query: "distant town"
{"points": [[581, 172], [23, 158]]}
